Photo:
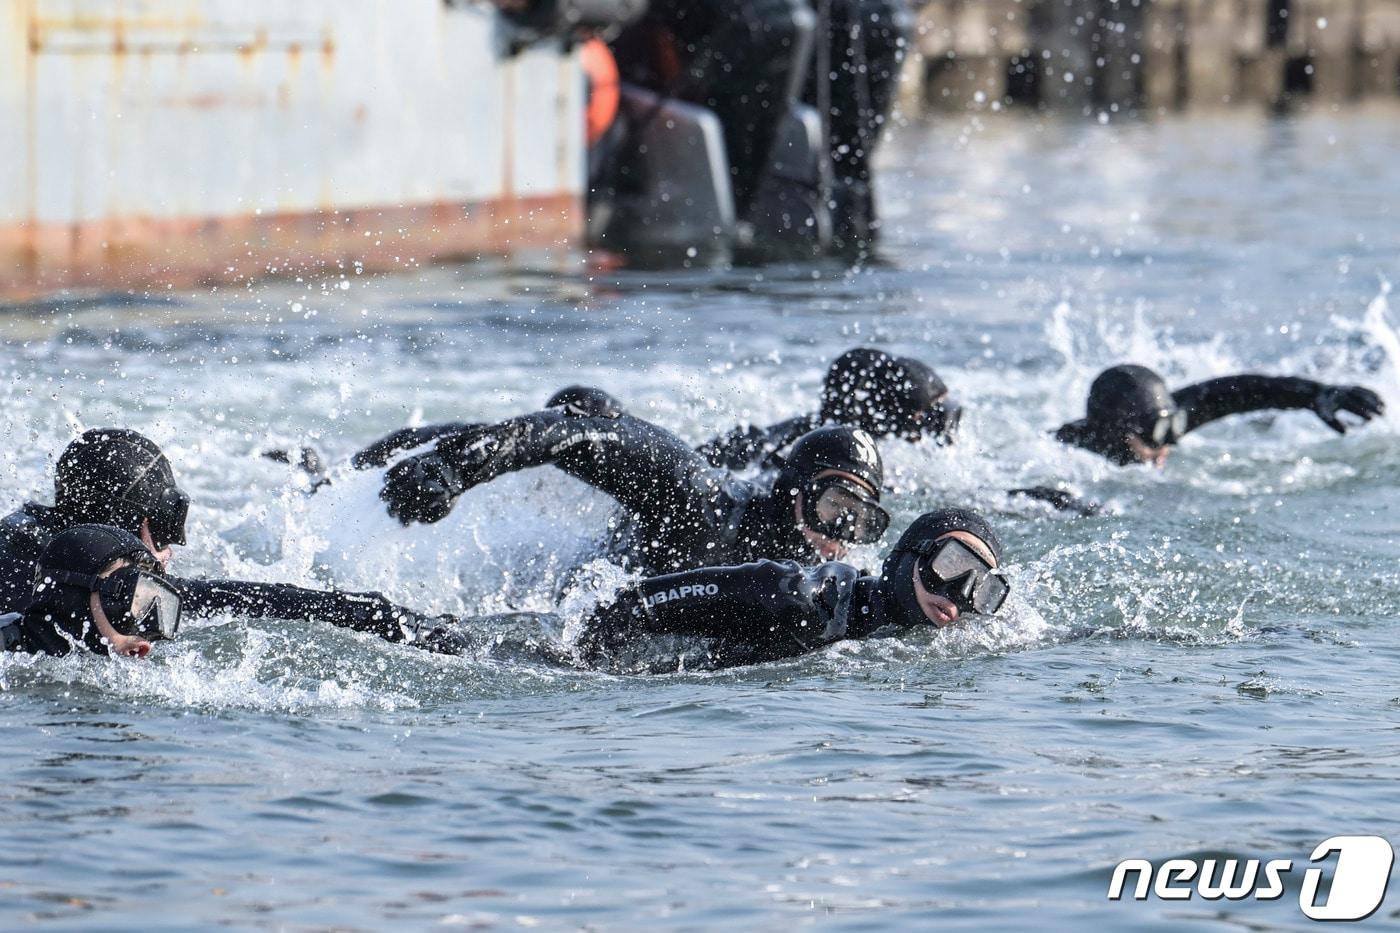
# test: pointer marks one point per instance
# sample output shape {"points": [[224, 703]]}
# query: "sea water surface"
{"points": [[1208, 668]]}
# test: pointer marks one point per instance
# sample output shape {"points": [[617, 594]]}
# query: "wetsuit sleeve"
{"points": [[644, 467], [1206, 401], [362, 612], [378, 453], [765, 603], [1213, 399], [1061, 499], [749, 445]]}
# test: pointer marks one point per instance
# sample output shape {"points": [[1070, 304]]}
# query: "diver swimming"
{"points": [[1132, 417], [944, 568], [677, 511], [96, 587], [118, 477]]}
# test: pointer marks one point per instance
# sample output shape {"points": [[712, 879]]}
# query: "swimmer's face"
{"points": [[827, 548], [126, 646], [940, 610], [1145, 452]]}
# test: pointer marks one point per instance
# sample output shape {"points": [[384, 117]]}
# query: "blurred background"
{"points": [[166, 143]]}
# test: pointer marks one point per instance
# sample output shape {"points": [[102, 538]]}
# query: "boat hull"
{"points": [[165, 143]]}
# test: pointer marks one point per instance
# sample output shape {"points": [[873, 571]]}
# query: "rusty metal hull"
{"points": [[155, 143]]}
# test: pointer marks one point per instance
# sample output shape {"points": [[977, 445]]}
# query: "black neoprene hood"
{"points": [[879, 391], [1122, 396]]}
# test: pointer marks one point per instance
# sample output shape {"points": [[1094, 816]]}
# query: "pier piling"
{"points": [[1132, 56]]}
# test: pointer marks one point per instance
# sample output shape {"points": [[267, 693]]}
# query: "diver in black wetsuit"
{"points": [[97, 587], [119, 477], [943, 568], [885, 395], [1133, 418], [678, 511]]}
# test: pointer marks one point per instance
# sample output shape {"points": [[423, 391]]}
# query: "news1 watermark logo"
{"points": [[1359, 876]]}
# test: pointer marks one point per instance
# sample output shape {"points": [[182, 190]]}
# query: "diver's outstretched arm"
{"points": [[1207, 401], [362, 612], [644, 467], [378, 453], [749, 445], [1061, 499], [579, 401]]}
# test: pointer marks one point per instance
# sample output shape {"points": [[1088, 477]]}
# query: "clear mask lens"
{"points": [[1166, 427], [841, 512], [155, 608], [958, 573]]}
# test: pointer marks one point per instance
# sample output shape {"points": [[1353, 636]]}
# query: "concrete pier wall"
{"points": [[1119, 56]]}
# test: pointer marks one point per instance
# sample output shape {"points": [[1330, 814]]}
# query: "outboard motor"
{"points": [[791, 215], [662, 189], [540, 19], [662, 195]]}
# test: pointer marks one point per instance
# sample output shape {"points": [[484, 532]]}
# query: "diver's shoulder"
{"points": [[28, 527]]}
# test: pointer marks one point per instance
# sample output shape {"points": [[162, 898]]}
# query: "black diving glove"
{"points": [[421, 489], [424, 488], [828, 589], [1358, 400]]}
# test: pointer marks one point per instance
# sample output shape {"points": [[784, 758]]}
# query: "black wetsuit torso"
{"points": [[1203, 402], [747, 614], [25, 533], [677, 511]]}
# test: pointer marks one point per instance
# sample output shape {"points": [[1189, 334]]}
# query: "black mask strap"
{"points": [[85, 581]]}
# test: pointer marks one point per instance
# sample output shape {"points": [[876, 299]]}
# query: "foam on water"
{"points": [[506, 546]]}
